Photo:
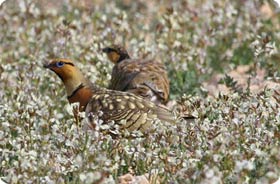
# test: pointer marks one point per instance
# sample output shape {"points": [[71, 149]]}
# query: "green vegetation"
{"points": [[235, 138]]}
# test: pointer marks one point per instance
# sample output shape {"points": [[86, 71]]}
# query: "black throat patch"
{"points": [[76, 90]]}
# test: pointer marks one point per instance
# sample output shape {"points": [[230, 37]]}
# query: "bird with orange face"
{"points": [[143, 77], [131, 112]]}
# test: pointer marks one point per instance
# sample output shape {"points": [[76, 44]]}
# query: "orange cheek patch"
{"points": [[114, 57], [63, 73]]}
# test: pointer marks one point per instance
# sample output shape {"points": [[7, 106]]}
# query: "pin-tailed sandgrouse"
{"points": [[143, 77], [137, 112]]}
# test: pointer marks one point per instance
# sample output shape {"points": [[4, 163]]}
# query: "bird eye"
{"points": [[59, 64]]}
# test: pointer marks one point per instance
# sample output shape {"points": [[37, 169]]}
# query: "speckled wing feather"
{"points": [[146, 78], [138, 113], [121, 78]]}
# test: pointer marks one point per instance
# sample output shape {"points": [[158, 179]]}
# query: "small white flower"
{"points": [[278, 2]]}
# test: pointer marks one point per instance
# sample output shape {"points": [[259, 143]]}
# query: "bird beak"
{"points": [[47, 63], [46, 66], [106, 49]]}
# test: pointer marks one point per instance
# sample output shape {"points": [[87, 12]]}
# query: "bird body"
{"points": [[143, 77], [136, 112], [82, 95]]}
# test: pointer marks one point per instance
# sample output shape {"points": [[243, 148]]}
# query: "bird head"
{"points": [[67, 72], [116, 53], [64, 68]]}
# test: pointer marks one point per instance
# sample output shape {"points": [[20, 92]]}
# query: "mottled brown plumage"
{"points": [[146, 78], [131, 112]]}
